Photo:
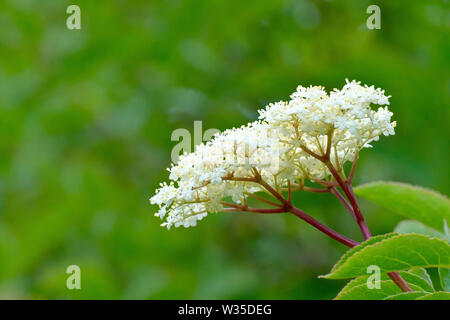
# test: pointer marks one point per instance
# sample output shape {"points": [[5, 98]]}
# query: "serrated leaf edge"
{"points": [[339, 265], [349, 285], [420, 188], [357, 248], [413, 286], [421, 298], [409, 292]]}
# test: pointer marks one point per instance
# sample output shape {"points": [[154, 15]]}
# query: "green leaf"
{"points": [[392, 253], [416, 282], [362, 292], [427, 206], [355, 249], [441, 295], [444, 275], [407, 295], [411, 226], [355, 288], [421, 272]]}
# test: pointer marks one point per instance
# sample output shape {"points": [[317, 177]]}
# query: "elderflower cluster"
{"points": [[278, 148]]}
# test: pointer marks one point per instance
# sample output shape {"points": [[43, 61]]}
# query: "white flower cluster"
{"points": [[278, 146]]}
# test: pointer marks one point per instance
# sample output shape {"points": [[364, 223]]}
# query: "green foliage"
{"points": [[421, 272], [407, 295], [424, 205], [410, 226], [413, 245], [420, 295], [444, 276], [357, 289], [412, 249], [356, 249], [361, 292], [397, 252], [435, 296]]}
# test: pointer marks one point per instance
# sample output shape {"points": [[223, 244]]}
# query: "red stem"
{"points": [[328, 231], [399, 281], [351, 197], [305, 217], [250, 209], [344, 202]]}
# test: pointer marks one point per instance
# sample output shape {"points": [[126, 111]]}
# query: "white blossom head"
{"points": [[291, 143]]}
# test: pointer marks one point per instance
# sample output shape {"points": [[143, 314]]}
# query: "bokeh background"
{"points": [[86, 118]]}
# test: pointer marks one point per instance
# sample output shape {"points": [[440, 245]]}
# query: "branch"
{"points": [[328, 231], [236, 207], [263, 200], [329, 137], [344, 202], [274, 192], [245, 179], [300, 187], [322, 182], [399, 281], [317, 190], [288, 207], [352, 171], [312, 153], [289, 192], [351, 197]]}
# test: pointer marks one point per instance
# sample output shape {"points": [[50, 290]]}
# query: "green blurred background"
{"points": [[86, 118]]}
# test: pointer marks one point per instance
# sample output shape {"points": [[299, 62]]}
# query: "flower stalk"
{"points": [[309, 138]]}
